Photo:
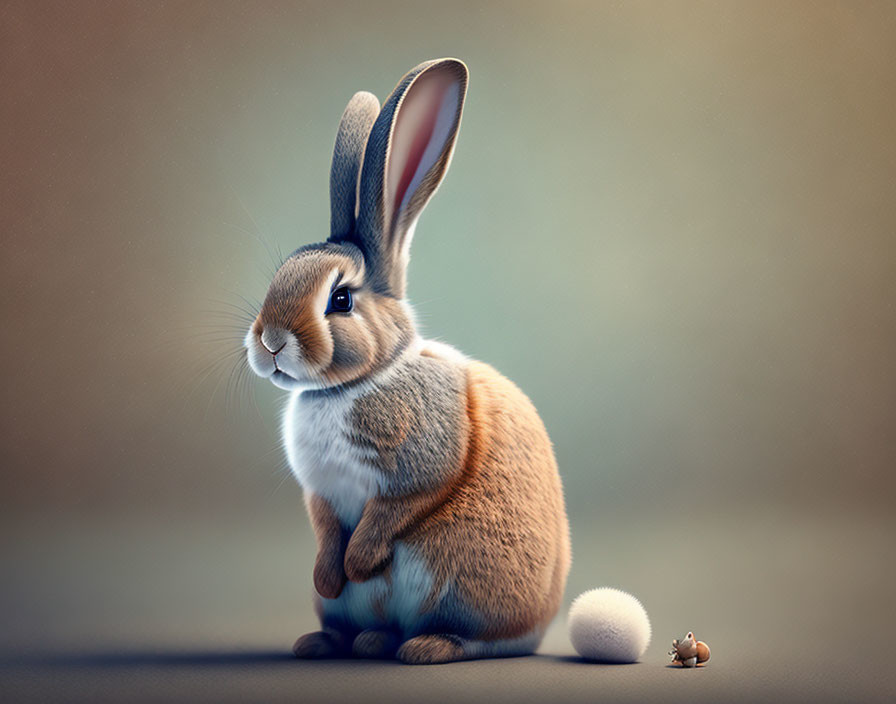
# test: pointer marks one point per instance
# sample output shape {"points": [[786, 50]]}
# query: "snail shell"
{"points": [[702, 651]]}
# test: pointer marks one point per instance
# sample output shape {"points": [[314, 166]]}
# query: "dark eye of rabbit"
{"points": [[340, 301]]}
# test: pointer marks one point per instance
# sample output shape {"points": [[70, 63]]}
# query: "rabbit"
{"points": [[429, 478]]}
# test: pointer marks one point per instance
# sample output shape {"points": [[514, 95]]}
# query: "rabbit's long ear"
{"points": [[348, 154], [407, 155]]}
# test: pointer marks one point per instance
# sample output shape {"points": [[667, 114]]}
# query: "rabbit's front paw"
{"points": [[365, 558], [329, 578]]}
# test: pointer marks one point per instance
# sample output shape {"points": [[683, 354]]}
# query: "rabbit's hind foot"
{"points": [[328, 643], [431, 649], [376, 643]]}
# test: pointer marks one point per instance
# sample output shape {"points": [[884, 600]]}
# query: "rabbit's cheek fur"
{"points": [[353, 348], [371, 337], [310, 327]]}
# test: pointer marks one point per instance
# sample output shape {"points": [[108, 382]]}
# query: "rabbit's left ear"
{"points": [[407, 155], [355, 125]]}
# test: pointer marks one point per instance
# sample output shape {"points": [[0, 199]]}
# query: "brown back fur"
{"points": [[502, 535]]}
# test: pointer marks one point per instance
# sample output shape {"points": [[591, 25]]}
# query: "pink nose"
{"points": [[274, 339]]}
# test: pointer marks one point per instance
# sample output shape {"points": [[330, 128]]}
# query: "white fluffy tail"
{"points": [[609, 625]]}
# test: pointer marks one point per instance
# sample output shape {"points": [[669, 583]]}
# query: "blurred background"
{"points": [[672, 224]]}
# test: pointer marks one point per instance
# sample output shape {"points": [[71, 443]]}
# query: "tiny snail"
{"points": [[689, 652]]}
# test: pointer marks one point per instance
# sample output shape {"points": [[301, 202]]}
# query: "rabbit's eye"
{"points": [[340, 301]]}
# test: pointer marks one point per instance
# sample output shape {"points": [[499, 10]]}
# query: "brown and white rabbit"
{"points": [[429, 478]]}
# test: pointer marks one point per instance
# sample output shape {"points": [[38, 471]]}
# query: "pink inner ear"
{"points": [[423, 130]]}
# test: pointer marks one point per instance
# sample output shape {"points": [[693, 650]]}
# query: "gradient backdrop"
{"points": [[672, 224]]}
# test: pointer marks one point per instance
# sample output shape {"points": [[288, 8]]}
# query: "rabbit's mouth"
{"points": [[284, 381]]}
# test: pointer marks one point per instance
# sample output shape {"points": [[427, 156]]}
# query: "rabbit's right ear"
{"points": [[348, 154], [407, 155]]}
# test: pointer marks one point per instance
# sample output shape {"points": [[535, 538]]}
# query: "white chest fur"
{"points": [[321, 456]]}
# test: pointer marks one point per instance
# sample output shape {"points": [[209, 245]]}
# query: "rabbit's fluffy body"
{"points": [[429, 478], [444, 575]]}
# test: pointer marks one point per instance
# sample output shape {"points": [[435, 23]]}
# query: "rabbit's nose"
{"points": [[274, 339]]}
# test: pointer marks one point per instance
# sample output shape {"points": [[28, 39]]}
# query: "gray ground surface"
{"points": [[165, 611], [271, 676]]}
